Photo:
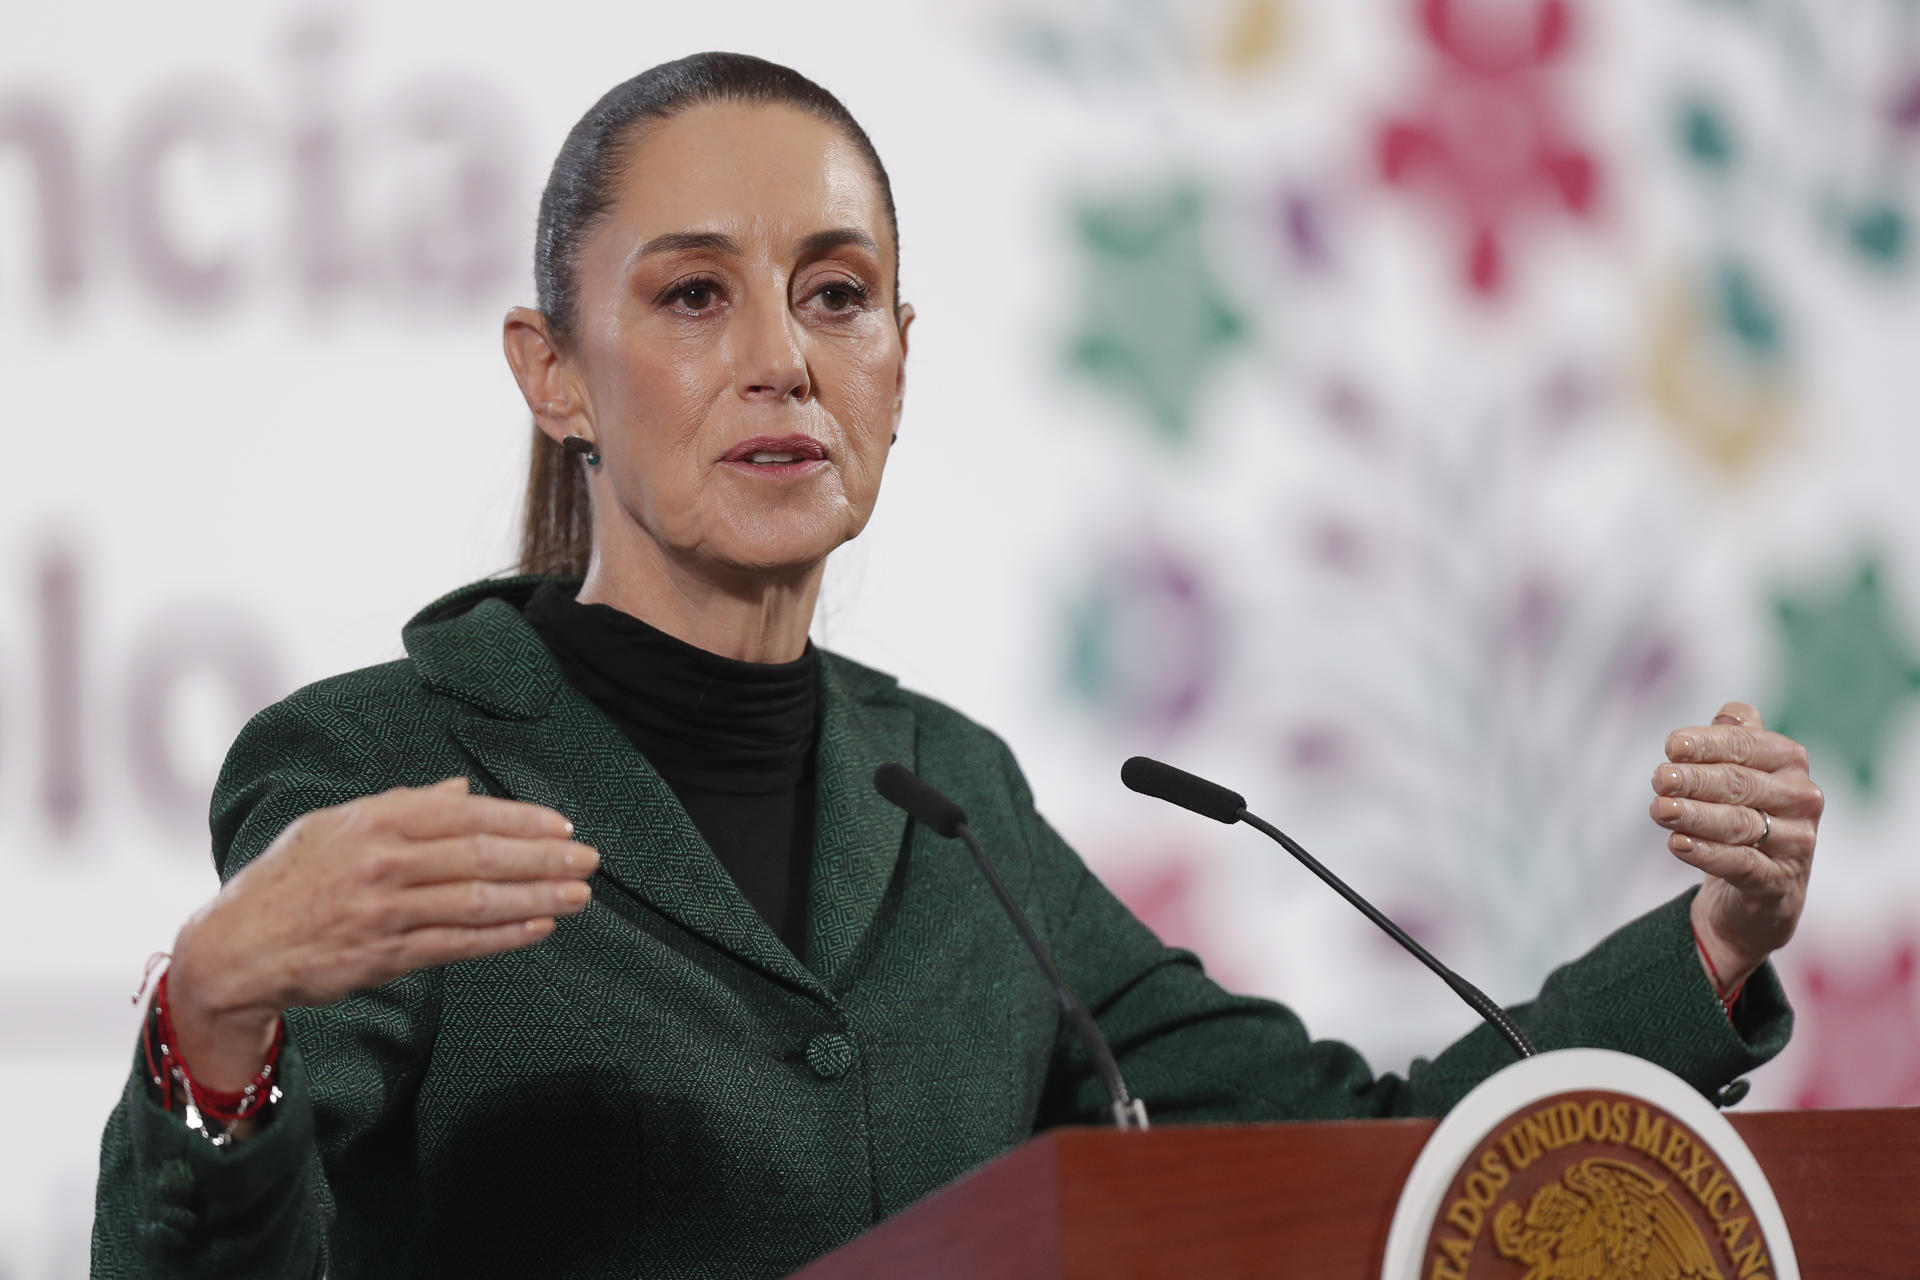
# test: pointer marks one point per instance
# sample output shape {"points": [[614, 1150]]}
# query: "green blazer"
{"points": [[661, 1088]]}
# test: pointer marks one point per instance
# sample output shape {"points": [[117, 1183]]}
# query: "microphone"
{"points": [[927, 806], [935, 811], [1211, 800]]}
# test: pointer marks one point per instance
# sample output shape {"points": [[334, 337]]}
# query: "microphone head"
{"points": [[1177, 786], [924, 803]]}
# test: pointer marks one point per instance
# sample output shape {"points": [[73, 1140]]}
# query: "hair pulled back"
{"points": [[587, 175]]}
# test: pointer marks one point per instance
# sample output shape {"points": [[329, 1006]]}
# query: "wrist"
{"points": [[221, 1115], [224, 1053], [1728, 966], [222, 1031]]}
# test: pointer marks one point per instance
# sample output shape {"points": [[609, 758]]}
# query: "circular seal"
{"points": [[1587, 1163]]}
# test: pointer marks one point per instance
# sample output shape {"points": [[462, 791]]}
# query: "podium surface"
{"points": [[1314, 1202]]}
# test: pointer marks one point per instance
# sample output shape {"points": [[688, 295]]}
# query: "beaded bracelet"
{"points": [[205, 1108]]}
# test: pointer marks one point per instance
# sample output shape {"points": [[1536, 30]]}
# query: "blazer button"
{"points": [[831, 1055], [1734, 1092]]}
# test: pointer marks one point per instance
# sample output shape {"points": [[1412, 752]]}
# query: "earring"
{"points": [[896, 438], [582, 446]]}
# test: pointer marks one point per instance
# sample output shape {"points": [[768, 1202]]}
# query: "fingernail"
{"points": [[1724, 718], [1684, 744], [1682, 844], [1667, 778]]}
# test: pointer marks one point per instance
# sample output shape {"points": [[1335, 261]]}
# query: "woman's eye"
{"points": [[840, 297], [696, 297]]}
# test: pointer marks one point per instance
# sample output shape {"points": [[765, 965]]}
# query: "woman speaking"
{"points": [[578, 943]]}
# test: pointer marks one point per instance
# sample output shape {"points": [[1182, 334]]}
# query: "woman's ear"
{"points": [[903, 319], [559, 408]]}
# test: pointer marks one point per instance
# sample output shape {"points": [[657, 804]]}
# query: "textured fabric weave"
{"points": [[662, 1088], [733, 740]]}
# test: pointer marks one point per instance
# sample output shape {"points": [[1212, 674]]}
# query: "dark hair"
{"points": [[558, 534]]}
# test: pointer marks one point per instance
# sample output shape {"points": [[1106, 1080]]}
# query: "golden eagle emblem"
{"points": [[1604, 1220]]}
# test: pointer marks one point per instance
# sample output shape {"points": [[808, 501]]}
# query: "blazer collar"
{"points": [[542, 741], [472, 644]]}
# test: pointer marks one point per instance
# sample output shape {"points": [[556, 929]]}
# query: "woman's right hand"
{"points": [[355, 896]]}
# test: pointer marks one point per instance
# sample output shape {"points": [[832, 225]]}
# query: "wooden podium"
{"points": [[1313, 1202]]}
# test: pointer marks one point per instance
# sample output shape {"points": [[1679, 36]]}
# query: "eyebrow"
{"points": [[839, 238], [819, 242], [690, 242]]}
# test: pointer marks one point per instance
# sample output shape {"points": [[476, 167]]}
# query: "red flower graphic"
{"points": [[1866, 1027], [1162, 896], [1165, 893], [1486, 137]]}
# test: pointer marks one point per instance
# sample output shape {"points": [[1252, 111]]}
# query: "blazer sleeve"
{"points": [[1197, 1053], [168, 1203]]}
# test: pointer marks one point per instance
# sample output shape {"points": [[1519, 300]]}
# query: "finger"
{"points": [[1781, 794], [1735, 744], [482, 903], [1739, 713], [445, 944], [490, 857], [1789, 844], [426, 813], [1788, 841], [1719, 823], [1742, 866]]}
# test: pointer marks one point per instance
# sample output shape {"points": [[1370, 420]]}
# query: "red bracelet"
{"points": [[1729, 999], [203, 1104]]}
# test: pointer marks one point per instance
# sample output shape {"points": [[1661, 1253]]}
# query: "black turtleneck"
{"points": [[734, 740]]}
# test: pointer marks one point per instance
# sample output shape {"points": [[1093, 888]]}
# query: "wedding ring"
{"points": [[1765, 830]]}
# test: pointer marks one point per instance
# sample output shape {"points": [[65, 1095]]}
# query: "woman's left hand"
{"points": [[1738, 803]]}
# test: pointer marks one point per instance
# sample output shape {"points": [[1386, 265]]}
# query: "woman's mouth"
{"points": [[777, 456]]}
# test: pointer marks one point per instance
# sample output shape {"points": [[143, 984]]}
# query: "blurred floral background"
{"points": [[1404, 410]]}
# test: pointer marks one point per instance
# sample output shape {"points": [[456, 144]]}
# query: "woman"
{"points": [[593, 949]]}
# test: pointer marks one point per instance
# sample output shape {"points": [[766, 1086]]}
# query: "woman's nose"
{"points": [[771, 366]]}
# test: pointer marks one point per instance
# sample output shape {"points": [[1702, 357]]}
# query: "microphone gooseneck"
{"points": [[1211, 800], [935, 811]]}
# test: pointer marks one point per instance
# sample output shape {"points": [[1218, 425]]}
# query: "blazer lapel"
{"points": [[857, 835], [648, 846], [544, 742]]}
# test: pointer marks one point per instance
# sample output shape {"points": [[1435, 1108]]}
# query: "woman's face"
{"points": [[736, 351]]}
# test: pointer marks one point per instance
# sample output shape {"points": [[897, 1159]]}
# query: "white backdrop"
{"points": [[1216, 447]]}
